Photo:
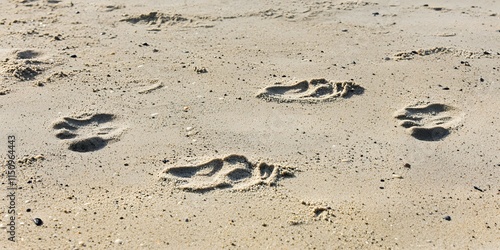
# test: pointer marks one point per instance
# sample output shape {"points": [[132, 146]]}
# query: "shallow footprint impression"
{"points": [[87, 133], [315, 90], [234, 172], [431, 122]]}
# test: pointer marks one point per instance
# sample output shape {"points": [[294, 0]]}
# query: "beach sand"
{"points": [[250, 125]]}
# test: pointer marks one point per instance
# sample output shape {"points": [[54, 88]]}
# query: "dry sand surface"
{"points": [[216, 124]]}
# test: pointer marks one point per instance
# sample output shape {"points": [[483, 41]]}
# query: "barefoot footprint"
{"points": [[87, 132], [233, 171], [315, 90], [430, 122]]}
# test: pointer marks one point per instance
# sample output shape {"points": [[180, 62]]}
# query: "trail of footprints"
{"points": [[88, 132], [431, 122], [231, 172]]}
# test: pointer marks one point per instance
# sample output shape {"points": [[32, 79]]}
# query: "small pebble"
{"points": [[119, 241], [189, 128], [447, 217], [397, 176], [185, 109], [38, 221]]}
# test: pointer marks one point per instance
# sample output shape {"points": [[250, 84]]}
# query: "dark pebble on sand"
{"points": [[481, 79], [73, 56], [407, 165], [375, 13], [164, 161], [446, 88], [28, 210], [38, 221], [447, 217], [478, 189]]}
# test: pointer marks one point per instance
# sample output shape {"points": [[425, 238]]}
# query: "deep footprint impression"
{"points": [[88, 132], [233, 171], [431, 122], [315, 90]]}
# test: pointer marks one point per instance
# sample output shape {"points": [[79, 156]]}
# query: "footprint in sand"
{"points": [[233, 171], [158, 19], [315, 90], [87, 133], [25, 64], [410, 55], [431, 122]]}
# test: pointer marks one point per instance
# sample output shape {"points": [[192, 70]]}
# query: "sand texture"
{"points": [[214, 124]]}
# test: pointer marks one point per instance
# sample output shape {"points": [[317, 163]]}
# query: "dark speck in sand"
{"points": [[38, 221]]}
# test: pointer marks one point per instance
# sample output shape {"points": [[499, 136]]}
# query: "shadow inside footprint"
{"points": [[88, 145], [239, 174], [97, 118], [265, 170], [296, 88], [429, 134], [64, 125], [207, 169], [27, 54], [65, 135]]}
